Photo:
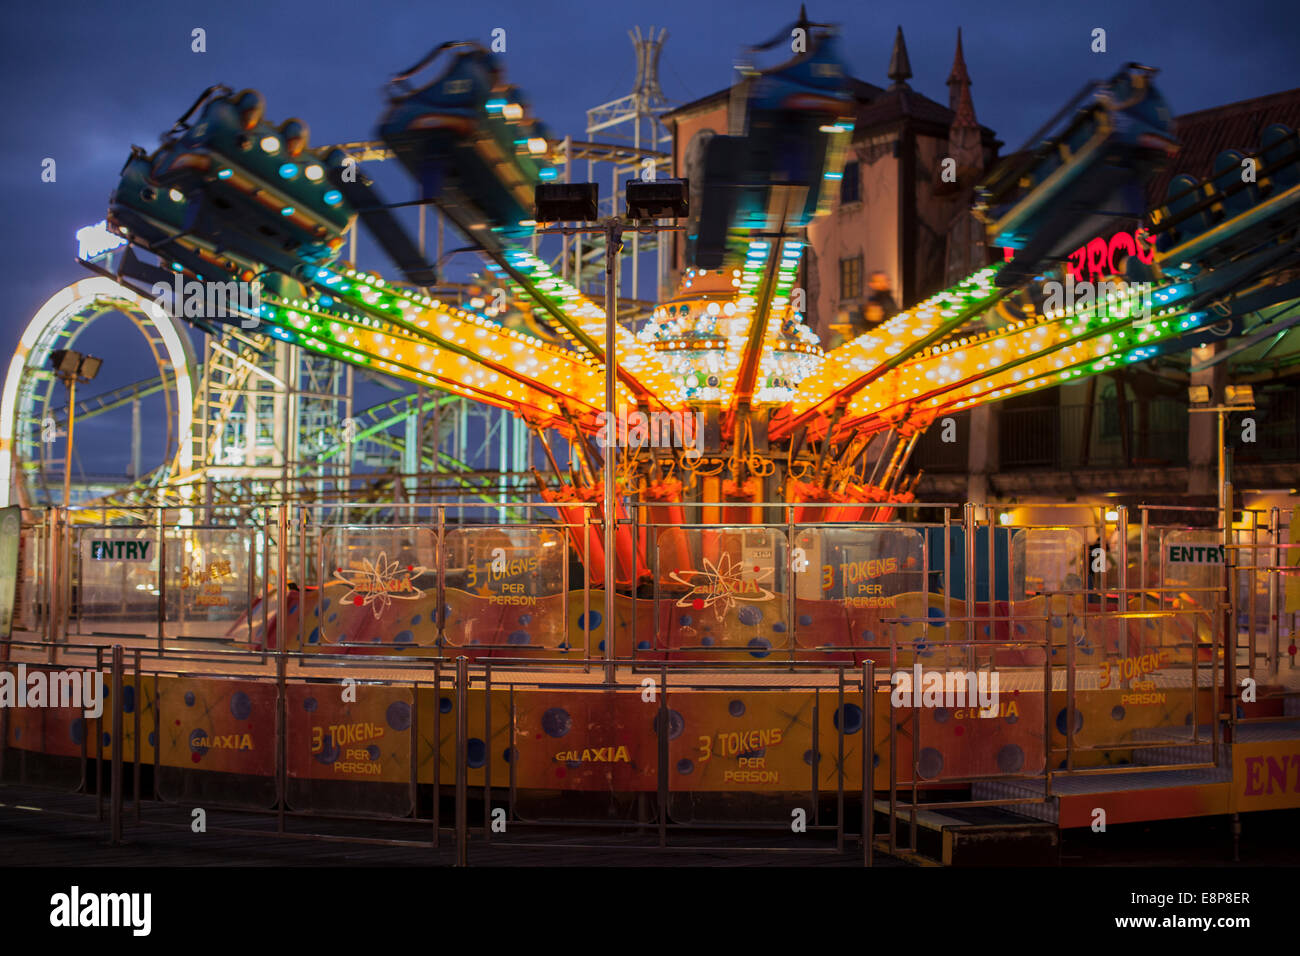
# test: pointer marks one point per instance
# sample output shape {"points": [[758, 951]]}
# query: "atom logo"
{"points": [[376, 585], [721, 584]]}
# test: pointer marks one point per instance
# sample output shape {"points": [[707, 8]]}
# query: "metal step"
{"points": [[973, 836]]}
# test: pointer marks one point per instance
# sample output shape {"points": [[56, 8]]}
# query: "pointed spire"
{"points": [[958, 76], [900, 70], [959, 84], [964, 134]]}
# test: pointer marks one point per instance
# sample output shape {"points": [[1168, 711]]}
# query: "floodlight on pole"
{"points": [[72, 367], [577, 203], [1236, 398]]}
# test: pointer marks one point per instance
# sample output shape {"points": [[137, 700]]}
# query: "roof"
{"points": [[1207, 133], [695, 106], [903, 102], [862, 91]]}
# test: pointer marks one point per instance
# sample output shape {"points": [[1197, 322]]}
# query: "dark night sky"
{"points": [[85, 80]]}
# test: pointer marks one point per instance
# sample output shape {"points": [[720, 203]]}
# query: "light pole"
{"points": [[1237, 398], [647, 204], [71, 367]]}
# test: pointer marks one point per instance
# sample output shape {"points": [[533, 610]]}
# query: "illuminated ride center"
{"points": [[758, 475]]}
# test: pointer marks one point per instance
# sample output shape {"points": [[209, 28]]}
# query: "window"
{"points": [[851, 278], [851, 184]]}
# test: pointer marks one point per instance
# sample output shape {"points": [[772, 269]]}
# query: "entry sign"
{"points": [[1195, 553], [11, 520]]}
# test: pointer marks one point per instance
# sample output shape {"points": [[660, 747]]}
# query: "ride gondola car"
{"points": [[1047, 200], [249, 188], [469, 140], [798, 119]]}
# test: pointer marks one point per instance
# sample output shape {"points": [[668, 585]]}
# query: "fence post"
{"points": [[868, 760], [462, 760], [115, 771]]}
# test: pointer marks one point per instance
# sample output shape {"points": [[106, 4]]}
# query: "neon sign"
{"points": [[1100, 257]]}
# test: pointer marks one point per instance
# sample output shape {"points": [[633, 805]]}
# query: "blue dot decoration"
{"points": [[930, 764], [153, 739], [444, 705], [761, 646], [508, 755], [107, 738], [736, 708], [600, 646], [595, 620], [189, 698], [556, 722], [77, 731], [707, 640], [676, 724], [1062, 717], [241, 708], [778, 627], [1011, 759], [398, 715], [314, 636], [750, 616], [808, 757], [372, 751], [404, 637], [128, 699], [805, 620], [1117, 712], [310, 704], [329, 751], [525, 620], [475, 753], [197, 737], [685, 620], [685, 765], [415, 620], [850, 720], [941, 715], [517, 637], [869, 635], [643, 645], [934, 613]]}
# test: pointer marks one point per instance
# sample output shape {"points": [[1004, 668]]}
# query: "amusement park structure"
{"points": [[759, 479], [230, 197]]}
